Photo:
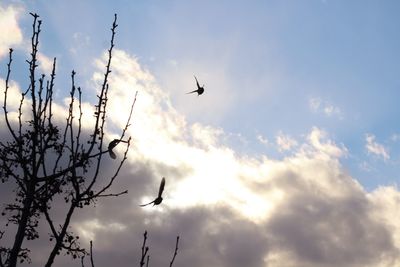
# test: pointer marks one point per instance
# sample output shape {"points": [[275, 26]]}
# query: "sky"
{"points": [[291, 157]]}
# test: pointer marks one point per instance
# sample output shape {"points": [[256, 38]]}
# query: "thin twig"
{"points": [[145, 249], [91, 253], [175, 252]]}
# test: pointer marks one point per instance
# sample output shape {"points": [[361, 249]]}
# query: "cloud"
{"points": [[11, 35], [262, 139], [305, 209], [230, 209], [285, 142], [314, 103], [375, 148], [45, 63], [319, 140], [319, 106]]}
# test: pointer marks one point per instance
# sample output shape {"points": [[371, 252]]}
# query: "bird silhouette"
{"points": [[200, 89], [159, 199], [113, 144]]}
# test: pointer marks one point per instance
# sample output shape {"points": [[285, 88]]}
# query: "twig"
{"points": [[145, 249], [176, 251], [91, 253]]}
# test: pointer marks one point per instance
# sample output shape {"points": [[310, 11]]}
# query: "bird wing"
{"points": [[161, 187], [113, 143], [192, 92], [146, 204], [112, 154], [198, 85]]}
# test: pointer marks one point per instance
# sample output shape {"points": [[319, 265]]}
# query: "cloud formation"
{"points": [[230, 209], [375, 148], [320, 106], [285, 142], [236, 210], [262, 140]]}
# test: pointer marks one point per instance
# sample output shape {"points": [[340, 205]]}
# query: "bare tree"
{"points": [[45, 159]]}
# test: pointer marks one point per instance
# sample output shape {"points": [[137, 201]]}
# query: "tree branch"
{"points": [[145, 250], [175, 252]]}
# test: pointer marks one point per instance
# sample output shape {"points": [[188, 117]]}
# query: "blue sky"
{"points": [[270, 57], [290, 86]]}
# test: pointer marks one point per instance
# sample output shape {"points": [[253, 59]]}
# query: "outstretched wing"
{"points": [[146, 204], [161, 187], [197, 82], [192, 92]]}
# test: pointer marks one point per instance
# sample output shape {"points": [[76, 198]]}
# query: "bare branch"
{"points": [[91, 253], [11, 130], [175, 252], [145, 250]]}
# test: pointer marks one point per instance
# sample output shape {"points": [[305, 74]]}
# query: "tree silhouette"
{"points": [[45, 159]]}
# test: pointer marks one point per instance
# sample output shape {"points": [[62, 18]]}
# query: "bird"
{"points": [[111, 146], [200, 89], [159, 199]]}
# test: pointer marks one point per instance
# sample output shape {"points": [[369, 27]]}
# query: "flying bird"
{"points": [[200, 89], [113, 144], [159, 199]]}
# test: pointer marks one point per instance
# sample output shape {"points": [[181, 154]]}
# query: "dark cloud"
{"points": [[208, 236], [319, 228]]}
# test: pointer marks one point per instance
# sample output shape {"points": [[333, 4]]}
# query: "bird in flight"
{"points": [[113, 144], [200, 89], [159, 199]]}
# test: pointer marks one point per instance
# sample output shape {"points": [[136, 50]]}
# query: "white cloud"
{"points": [[11, 34], [45, 63], [314, 103], [14, 96], [318, 139], [285, 142], [262, 139], [330, 110], [319, 106], [375, 148]]}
